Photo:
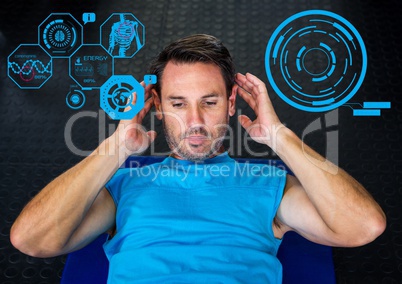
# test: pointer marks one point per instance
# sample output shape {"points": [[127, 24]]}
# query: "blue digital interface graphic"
{"points": [[60, 34], [29, 66], [150, 79], [316, 61], [88, 18], [122, 35], [122, 97], [91, 66], [75, 99]]}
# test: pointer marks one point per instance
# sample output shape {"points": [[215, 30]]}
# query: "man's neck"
{"points": [[212, 155]]}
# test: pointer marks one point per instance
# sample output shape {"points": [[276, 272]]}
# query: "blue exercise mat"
{"points": [[302, 261]]}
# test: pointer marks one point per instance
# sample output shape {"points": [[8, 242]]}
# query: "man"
{"points": [[203, 218]]}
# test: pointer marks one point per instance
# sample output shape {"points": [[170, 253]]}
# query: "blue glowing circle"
{"points": [[117, 97], [316, 61], [313, 52], [59, 35], [75, 99]]}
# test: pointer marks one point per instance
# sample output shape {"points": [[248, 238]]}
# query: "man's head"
{"points": [[191, 49], [194, 95]]}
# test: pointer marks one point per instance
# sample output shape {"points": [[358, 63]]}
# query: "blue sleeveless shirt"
{"points": [[195, 222]]}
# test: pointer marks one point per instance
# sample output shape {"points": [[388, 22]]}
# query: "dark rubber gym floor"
{"points": [[34, 150]]}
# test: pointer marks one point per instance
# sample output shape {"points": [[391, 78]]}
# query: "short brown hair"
{"points": [[195, 48]]}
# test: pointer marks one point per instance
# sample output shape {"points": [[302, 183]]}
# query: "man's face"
{"points": [[195, 109]]}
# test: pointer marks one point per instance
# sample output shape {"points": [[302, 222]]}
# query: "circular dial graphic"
{"points": [[60, 36], [316, 61], [122, 97], [75, 99]]}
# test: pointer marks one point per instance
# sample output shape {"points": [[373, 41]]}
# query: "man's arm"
{"points": [[322, 202], [75, 208]]}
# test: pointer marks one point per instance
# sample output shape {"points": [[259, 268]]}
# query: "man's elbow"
{"points": [[377, 227], [21, 241], [371, 229]]}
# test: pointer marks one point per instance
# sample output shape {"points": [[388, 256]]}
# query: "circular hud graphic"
{"points": [[60, 35], [122, 97], [316, 61], [75, 99]]}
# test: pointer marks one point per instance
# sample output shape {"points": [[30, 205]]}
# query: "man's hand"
{"points": [[267, 124], [130, 135]]}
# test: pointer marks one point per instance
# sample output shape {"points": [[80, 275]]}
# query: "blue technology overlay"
{"points": [[91, 66], [150, 79], [316, 61], [29, 66], [122, 97], [60, 34], [76, 98], [122, 35], [368, 108], [88, 18]]}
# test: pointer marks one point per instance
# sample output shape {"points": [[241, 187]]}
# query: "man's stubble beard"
{"points": [[180, 149]]}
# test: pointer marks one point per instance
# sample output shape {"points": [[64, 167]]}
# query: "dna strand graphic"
{"points": [[29, 66], [27, 70]]}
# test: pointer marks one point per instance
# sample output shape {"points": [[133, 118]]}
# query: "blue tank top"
{"points": [[195, 222]]}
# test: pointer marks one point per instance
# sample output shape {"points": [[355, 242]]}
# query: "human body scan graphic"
{"points": [[122, 35]]}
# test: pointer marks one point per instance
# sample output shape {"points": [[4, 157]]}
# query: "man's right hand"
{"points": [[130, 136]]}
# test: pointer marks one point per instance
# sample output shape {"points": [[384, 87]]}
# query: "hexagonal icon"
{"points": [[91, 66], [122, 35], [60, 34], [122, 97], [29, 66]]}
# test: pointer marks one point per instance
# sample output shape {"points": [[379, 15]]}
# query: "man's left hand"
{"points": [[267, 124]]}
